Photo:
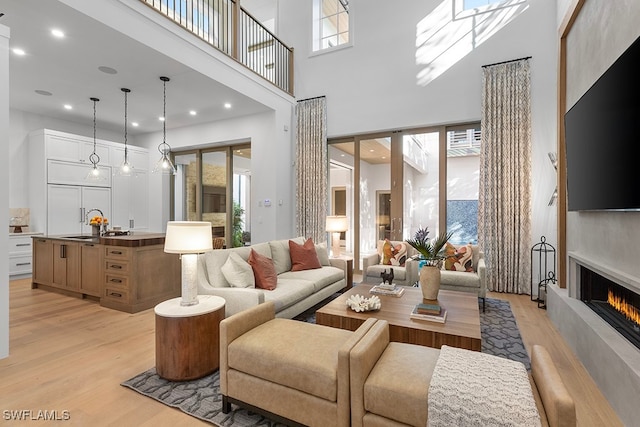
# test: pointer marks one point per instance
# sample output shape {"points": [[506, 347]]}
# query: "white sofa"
{"points": [[296, 291]]}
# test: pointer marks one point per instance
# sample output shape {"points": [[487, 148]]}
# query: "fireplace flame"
{"points": [[623, 307]]}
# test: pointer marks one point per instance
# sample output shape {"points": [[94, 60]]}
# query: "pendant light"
{"points": [[126, 169], [94, 174], [164, 165]]}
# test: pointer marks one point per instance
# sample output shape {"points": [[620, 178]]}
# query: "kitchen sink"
{"points": [[84, 236]]}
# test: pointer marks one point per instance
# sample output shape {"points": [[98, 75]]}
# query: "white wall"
{"points": [[271, 135], [463, 177], [271, 170], [378, 84], [598, 37], [4, 194]]}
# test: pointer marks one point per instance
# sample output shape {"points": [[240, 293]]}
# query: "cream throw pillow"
{"points": [[238, 272], [323, 253]]}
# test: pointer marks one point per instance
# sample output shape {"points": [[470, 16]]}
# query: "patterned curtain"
{"points": [[504, 205], [311, 169]]}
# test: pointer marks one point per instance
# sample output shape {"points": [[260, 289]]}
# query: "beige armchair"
{"points": [[474, 282], [406, 275], [291, 371]]}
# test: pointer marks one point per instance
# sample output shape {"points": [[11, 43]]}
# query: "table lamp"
{"points": [[336, 224], [188, 238]]}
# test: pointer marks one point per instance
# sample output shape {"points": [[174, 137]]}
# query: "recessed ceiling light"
{"points": [[19, 51], [371, 151], [227, 105], [135, 124], [161, 119], [57, 33], [68, 107], [43, 92], [193, 112], [107, 70]]}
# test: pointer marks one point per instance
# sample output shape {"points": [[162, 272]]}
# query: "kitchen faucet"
{"points": [[102, 224]]}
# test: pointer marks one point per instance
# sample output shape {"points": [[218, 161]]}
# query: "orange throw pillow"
{"points": [[303, 257], [263, 270]]}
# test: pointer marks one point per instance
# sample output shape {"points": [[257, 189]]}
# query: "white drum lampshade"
{"points": [[188, 238]]}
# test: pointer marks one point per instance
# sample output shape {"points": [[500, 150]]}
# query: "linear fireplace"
{"points": [[611, 359], [617, 305]]}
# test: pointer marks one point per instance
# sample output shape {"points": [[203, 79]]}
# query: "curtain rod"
{"points": [[309, 99], [506, 62]]}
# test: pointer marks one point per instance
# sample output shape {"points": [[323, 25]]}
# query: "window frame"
{"points": [[460, 12], [316, 39]]}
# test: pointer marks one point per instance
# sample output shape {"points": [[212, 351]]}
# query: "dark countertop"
{"points": [[136, 239]]}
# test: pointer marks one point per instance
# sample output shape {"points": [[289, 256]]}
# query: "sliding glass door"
{"points": [[421, 180], [392, 184], [215, 185]]}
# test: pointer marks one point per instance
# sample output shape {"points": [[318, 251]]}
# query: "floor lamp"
{"points": [[336, 224], [188, 238]]}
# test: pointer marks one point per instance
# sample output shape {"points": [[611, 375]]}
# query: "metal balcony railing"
{"points": [[229, 28], [463, 143]]}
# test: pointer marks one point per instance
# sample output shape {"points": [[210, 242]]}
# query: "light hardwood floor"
{"points": [[68, 354]]}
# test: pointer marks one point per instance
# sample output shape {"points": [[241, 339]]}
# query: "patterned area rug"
{"points": [[201, 398]]}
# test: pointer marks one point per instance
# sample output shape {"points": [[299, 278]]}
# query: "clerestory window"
{"points": [[473, 4], [331, 24]]}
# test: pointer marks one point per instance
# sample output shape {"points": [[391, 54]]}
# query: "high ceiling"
{"points": [[69, 69]]}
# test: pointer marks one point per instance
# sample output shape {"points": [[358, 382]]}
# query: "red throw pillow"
{"points": [[263, 270], [303, 257]]}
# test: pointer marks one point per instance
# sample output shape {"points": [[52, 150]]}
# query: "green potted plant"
{"points": [[237, 225], [431, 253]]}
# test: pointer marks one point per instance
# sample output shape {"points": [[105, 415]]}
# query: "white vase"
{"points": [[430, 279]]}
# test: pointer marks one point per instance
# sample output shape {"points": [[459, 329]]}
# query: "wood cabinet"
{"points": [[138, 278], [42, 261], [66, 265], [132, 277], [91, 269]]}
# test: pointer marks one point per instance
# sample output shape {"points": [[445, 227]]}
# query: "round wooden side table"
{"points": [[188, 338]]}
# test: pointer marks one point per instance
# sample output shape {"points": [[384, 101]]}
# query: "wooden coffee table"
{"points": [[461, 329]]}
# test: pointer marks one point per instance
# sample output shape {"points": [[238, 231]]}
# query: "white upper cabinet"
{"points": [[59, 172], [62, 146], [60, 193], [138, 157], [131, 201]]}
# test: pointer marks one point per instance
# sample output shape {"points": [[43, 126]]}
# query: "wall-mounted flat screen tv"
{"points": [[602, 136]]}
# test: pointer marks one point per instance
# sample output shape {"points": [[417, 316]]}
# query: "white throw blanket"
{"points": [[469, 388]]}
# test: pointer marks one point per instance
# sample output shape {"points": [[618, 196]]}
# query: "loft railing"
{"points": [[230, 29]]}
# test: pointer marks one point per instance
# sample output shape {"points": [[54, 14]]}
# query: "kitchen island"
{"points": [[128, 273]]}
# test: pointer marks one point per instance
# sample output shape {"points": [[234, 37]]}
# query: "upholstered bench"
{"points": [[390, 385], [291, 371]]}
